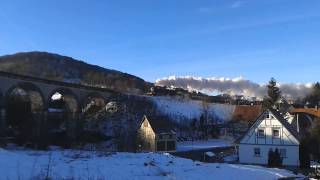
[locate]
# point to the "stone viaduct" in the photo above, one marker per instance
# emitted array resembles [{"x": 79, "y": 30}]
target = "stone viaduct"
[{"x": 40, "y": 91}]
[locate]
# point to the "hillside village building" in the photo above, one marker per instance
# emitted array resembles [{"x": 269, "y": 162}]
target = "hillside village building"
[
  {"x": 269, "y": 132},
  {"x": 156, "y": 134}
]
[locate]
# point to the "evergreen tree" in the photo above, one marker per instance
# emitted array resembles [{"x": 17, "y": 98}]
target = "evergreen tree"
[
  {"x": 314, "y": 96},
  {"x": 277, "y": 158},
  {"x": 304, "y": 154},
  {"x": 274, "y": 94},
  {"x": 274, "y": 158},
  {"x": 314, "y": 140},
  {"x": 270, "y": 158}
]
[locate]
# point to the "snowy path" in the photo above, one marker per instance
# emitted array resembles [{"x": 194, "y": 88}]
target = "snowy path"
[{"x": 88, "y": 165}]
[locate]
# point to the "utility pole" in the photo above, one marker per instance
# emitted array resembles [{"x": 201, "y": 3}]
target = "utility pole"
[
  {"x": 298, "y": 128},
  {"x": 3, "y": 121}
]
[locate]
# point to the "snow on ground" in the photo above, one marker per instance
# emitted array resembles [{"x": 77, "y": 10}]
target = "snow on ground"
[
  {"x": 71, "y": 164},
  {"x": 195, "y": 145},
  {"x": 230, "y": 158},
  {"x": 178, "y": 107}
]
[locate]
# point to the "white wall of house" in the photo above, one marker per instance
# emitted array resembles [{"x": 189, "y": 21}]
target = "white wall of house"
[
  {"x": 268, "y": 132},
  {"x": 247, "y": 154}
]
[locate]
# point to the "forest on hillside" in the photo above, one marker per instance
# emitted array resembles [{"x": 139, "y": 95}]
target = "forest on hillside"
[{"x": 61, "y": 68}]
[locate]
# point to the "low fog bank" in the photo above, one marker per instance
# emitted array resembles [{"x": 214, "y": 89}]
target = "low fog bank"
[{"x": 235, "y": 86}]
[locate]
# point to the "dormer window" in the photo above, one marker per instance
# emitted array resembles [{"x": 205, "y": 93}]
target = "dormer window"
[{"x": 261, "y": 133}]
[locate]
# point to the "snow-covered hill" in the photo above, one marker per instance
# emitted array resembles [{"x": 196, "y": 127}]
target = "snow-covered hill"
[
  {"x": 179, "y": 108},
  {"x": 70, "y": 164}
]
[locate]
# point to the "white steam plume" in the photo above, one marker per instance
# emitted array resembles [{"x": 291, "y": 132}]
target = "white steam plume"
[{"x": 235, "y": 86}]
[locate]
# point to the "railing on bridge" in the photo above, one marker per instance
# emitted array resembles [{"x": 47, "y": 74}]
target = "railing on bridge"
[{"x": 311, "y": 111}]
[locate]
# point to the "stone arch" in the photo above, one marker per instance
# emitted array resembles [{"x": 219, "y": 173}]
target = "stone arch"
[
  {"x": 24, "y": 104},
  {"x": 304, "y": 121},
  {"x": 69, "y": 97},
  {"x": 31, "y": 91},
  {"x": 92, "y": 102}
]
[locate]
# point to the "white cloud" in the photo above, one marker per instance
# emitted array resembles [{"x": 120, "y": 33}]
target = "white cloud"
[
  {"x": 233, "y": 86},
  {"x": 218, "y": 8},
  {"x": 237, "y": 4}
]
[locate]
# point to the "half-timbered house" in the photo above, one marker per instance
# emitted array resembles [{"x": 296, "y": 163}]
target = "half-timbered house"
[{"x": 269, "y": 132}]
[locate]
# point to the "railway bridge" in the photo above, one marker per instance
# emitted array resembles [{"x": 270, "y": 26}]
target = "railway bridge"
[{"x": 22, "y": 97}]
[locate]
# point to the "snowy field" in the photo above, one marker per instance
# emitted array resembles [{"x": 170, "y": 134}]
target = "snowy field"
[
  {"x": 190, "y": 109},
  {"x": 69, "y": 164},
  {"x": 196, "y": 145}
]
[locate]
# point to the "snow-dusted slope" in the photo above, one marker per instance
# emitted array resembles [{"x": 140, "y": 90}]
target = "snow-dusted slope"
[
  {"x": 197, "y": 145},
  {"x": 182, "y": 108},
  {"x": 121, "y": 166}
]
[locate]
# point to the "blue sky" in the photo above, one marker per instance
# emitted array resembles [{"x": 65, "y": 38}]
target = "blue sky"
[{"x": 158, "y": 38}]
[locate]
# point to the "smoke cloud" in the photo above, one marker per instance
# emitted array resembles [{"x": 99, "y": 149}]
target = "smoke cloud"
[{"x": 235, "y": 86}]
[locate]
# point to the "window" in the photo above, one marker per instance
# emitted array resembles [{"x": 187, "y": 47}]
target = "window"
[
  {"x": 283, "y": 153},
  {"x": 161, "y": 146},
  {"x": 257, "y": 152},
  {"x": 275, "y": 133},
  {"x": 171, "y": 145},
  {"x": 261, "y": 133}
]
